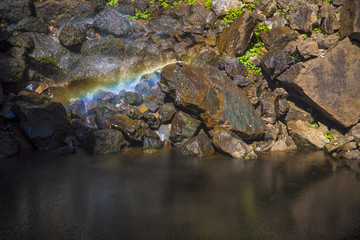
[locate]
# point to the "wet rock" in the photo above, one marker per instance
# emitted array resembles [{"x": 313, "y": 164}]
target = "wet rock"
[
  {"x": 199, "y": 146},
  {"x": 18, "y": 53},
  {"x": 228, "y": 142},
  {"x": 104, "y": 141},
  {"x": 6, "y": 111},
  {"x": 9, "y": 146},
  {"x": 166, "y": 112},
  {"x": 72, "y": 36},
  {"x": 133, "y": 98},
  {"x": 183, "y": 127},
  {"x": 295, "y": 113},
  {"x": 132, "y": 112},
  {"x": 12, "y": 11},
  {"x": 12, "y": 70},
  {"x": 235, "y": 39},
  {"x": 30, "y": 97},
  {"x": 202, "y": 92},
  {"x": 269, "y": 106},
  {"x": 132, "y": 129},
  {"x": 318, "y": 83},
  {"x": 77, "y": 109},
  {"x": 351, "y": 154},
  {"x": 152, "y": 140},
  {"x": 103, "y": 96},
  {"x": 30, "y": 24},
  {"x": 308, "y": 49},
  {"x": 206, "y": 55},
  {"x": 278, "y": 36},
  {"x": 143, "y": 87},
  {"x": 105, "y": 46},
  {"x": 63, "y": 11},
  {"x": 81, "y": 129},
  {"x": 338, "y": 143},
  {"x": 151, "y": 120},
  {"x": 349, "y": 20},
  {"x": 329, "y": 23},
  {"x": 45, "y": 125},
  {"x": 103, "y": 115},
  {"x": 220, "y": 7},
  {"x": 304, "y": 135},
  {"x": 164, "y": 132},
  {"x": 112, "y": 21},
  {"x": 304, "y": 18}
]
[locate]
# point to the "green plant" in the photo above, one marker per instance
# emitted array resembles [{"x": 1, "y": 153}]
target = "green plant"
[
  {"x": 232, "y": 14},
  {"x": 328, "y": 136},
  {"x": 317, "y": 30},
  {"x": 141, "y": 15},
  {"x": 314, "y": 125},
  {"x": 245, "y": 59},
  {"x": 208, "y": 3},
  {"x": 112, "y": 2},
  {"x": 296, "y": 56},
  {"x": 261, "y": 27},
  {"x": 326, "y": 1}
]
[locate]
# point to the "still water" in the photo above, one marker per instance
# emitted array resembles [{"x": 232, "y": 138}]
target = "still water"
[{"x": 163, "y": 195}]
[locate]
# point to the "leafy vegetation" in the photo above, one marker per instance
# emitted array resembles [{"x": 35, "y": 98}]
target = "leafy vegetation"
[
  {"x": 112, "y": 2},
  {"x": 231, "y": 15},
  {"x": 208, "y": 3},
  {"x": 141, "y": 15},
  {"x": 328, "y": 136},
  {"x": 296, "y": 56},
  {"x": 317, "y": 30}
]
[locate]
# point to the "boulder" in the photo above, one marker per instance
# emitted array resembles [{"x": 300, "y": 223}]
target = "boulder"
[
  {"x": 229, "y": 143},
  {"x": 30, "y": 24},
  {"x": 355, "y": 131},
  {"x": 304, "y": 135},
  {"x": 22, "y": 40},
  {"x": 12, "y": 11},
  {"x": 269, "y": 106},
  {"x": 152, "y": 140},
  {"x": 277, "y": 20},
  {"x": 278, "y": 36},
  {"x": 164, "y": 132},
  {"x": 304, "y": 18},
  {"x": 132, "y": 112},
  {"x": 329, "y": 23},
  {"x": 183, "y": 127},
  {"x": 166, "y": 112},
  {"x": 329, "y": 84},
  {"x": 308, "y": 49},
  {"x": 12, "y": 70},
  {"x": 232, "y": 66},
  {"x": 325, "y": 41},
  {"x": 295, "y": 113},
  {"x": 209, "y": 93},
  {"x": 201, "y": 16},
  {"x": 235, "y": 39},
  {"x": 107, "y": 46},
  {"x": 350, "y": 19},
  {"x": 63, "y": 11},
  {"x": 220, "y": 7},
  {"x": 46, "y": 125},
  {"x": 199, "y": 146},
  {"x": 18, "y": 53},
  {"x": 151, "y": 120},
  {"x": 77, "y": 109},
  {"x": 9, "y": 146},
  {"x": 133, "y": 98},
  {"x": 104, "y": 141},
  {"x": 132, "y": 129},
  {"x": 102, "y": 117},
  {"x": 72, "y": 36}
]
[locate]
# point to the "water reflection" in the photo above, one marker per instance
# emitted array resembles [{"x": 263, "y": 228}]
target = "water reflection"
[{"x": 164, "y": 195}]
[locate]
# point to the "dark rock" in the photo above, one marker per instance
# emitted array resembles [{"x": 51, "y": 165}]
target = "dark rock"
[
  {"x": 80, "y": 128},
  {"x": 209, "y": 93},
  {"x": 269, "y": 106},
  {"x": 295, "y": 113},
  {"x": 201, "y": 16},
  {"x": 133, "y": 98},
  {"x": 30, "y": 24},
  {"x": 45, "y": 125},
  {"x": 18, "y": 53},
  {"x": 77, "y": 109},
  {"x": 12, "y": 11},
  {"x": 30, "y": 97},
  {"x": 284, "y": 107},
  {"x": 232, "y": 66},
  {"x": 132, "y": 112},
  {"x": 183, "y": 128},
  {"x": 151, "y": 120},
  {"x": 143, "y": 87},
  {"x": 277, "y": 61},
  {"x": 330, "y": 84},
  {"x": 112, "y": 21},
  {"x": 6, "y": 111},
  {"x": 351, "y": 155},
  {"x": 304, "y": 18},
  {"x": 308, "y": 49},
  {"x": 104, "y": 46},
  {"x": 104, "y": 141},
  {"x": 278, "y": 36},
  {"x": 199, "y": 146},
  {"x": 166, "y": 112},
  {"x": 16, "y": 133},
  {"x": 9, "y": 146},
  {"x": 304, "y": 135},
  {"x": 63, "y": 11},
  {"x": 235, "y": 39},
  {"x": 102, "y": 119},
  {"x": 152, "y": 140},
  {"x": 228, "y": 142},
  {"x": 206, "y": 55},
  {"x": 12, "y": 70},
  {"x": 133, "y": 129},
  {"x": 324, "y": 41},
  {"x": 252, "y": 92},
  {"x": 153, "y": 105},
  {"x": 22, "y": 40},
  {"x": 127, "y": 7},
  {"x": 241, "y": 81},
  {"x": 349, "y": 20},
  {"x": 220, "y": 7},
  {"x": 72, "y": 36}
]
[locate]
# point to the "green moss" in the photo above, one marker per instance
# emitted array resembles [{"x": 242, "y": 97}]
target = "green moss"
[
  {"x": 232, "y": 14},
  {"x": 208, "y": 3},
  {"x": 328, "y": 136}
]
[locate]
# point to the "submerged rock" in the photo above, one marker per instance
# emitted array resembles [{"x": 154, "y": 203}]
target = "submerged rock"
[
  {"x": 104, "y": 141},
  {"x": 210, "y": 94},
  {"x": 199, "y": 146}
]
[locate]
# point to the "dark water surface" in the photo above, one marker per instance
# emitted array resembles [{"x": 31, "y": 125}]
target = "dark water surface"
[{"x": 133, "y": 195}]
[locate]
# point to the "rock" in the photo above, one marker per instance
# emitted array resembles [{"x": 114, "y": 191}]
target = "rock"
[
  {"x": 269, "y": 106},
  {"x": 6, "y": 112},
  {"x": 329, "y": 23},
  {"x": 242, "y": 82},
  {"x": 45, "y": 125},
  {"x": 164, "y": 132},
  {"x": 77, "y": 109},
  {"x": 17, "y": 53},
  {"x": 72, "y": 36},
  {"x": 104, "y": 141},
  {"x": 284, "y": 107},
  {"x": 235, "y": 39},
  {"x": 324, "y": 41},
  {"x": 30, "y": 97},
  {"x": 201, "y": 16},
  {"x": 103, "y": 96},
  {"x": 278, "y": 36},
  {"x": 9, "y": 146},
  {"x": 308, "y": 49},
  {"x": 12, "y": 11},
  {"x": 127, "y": 7},
  {"x": 22, "y": 40},
  {"x": 133, "y": 98},
  {"x": 232, "y": 66},
  {"x": 295, "y": 113},
  {"x": 152, "y": 140},
  {"x": 183, "y": 127},
  {"x": 132, "y": 112},
  {"x": 63, "y": 11},
  {"x": 228, "y": 142},
  {"x": 304, "y": 18},
  {"x": 199, "y": 146},
  {"x": 201, "y": 91},
  {"x": 351, "y": 155},
  {"x": 305, "y": 135},
  {"x": 329, "y": 84},
  {"x": 15, "y": 132},
  {"x": 113, "y": 22},
  {"x": 220, "y": 7},
  {"x": 151, "y": 120},
  {"x": 133, "y": 129},
  {"x": 103, "y": 115},
  {"x": 252, "y": 92},
  {"x": 30, "y": 24},
  {"x": 81, "y": 129},
  {"x": 276, "y": 21},
  {"x": 338, "y": 143},
  {"x": 12, "y": 70},
  {"x": 107, "y": 46},
  {"x": 349, "y": 19},
  {"x": 355, "y": 131},
  {"x": 166, "y": 112},
  {"x": 143, "y": 87},
  {"x": 206, "y": 55}
]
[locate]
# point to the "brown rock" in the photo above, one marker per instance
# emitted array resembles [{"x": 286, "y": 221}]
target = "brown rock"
[
  {"x": 198, "y": 146},
  {"x": 304, "y": 18},
  {"x": 133, "y": 129},
  {"x": 308, "y": 49},
  {"x": 278, "y": 36},
  {"x": 183, "y": 127},
  {"x": 350, "y": 19}
]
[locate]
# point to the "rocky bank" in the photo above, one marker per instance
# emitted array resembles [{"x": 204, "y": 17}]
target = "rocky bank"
[{"x": 240, "y": 77}]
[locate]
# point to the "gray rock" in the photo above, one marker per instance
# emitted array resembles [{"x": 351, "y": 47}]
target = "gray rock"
[
  {"x": 104, "y": 141},
  {"x": 12, "y": 70},
  {"x": 152, "y": 140},
  {"x": 220, "y": 7},
  {"x": 132, "y": 129},
  {"x": 199, "y": 146},
  {"x": 183, "y": 128},
  {"x": 30, "y": 24},
  {"x": 166, "y": 112},
  {"x": 133, "y": 98},
  {"x": 71, "y": 36},
  {"x": 12, "y": 11},
  {"x": 107, "y": 46},
  {"x": 304, "y": 18}
]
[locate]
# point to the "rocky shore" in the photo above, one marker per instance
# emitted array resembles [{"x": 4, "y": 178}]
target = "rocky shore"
[{"x": 238, "y": 77}]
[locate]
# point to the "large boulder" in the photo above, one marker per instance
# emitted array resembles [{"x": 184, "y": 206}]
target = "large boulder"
[
  {"x": 132, "y": 129},
  {"x": 229, "y": 143},
  {"x": 72, "y": 35},
  {"x": 12, "y": 11},
  {"x": 104, "y": 141},
  {"x": 304, "y": 18},
  {"x": 183, "y": 127},
  {"x": 350, "y": 19},
  {"x": 235, "y": 39},
  {"x": 329, "y": 84},
  {"x": 12, "y": 70},
  {"x": 63, "y": 11},
  {"x": 46, "y": 125},
  {"x": 278, "y": 36},
  {"x": 152, "y": 140},
  {"x": 209, "y": 93},
  {"x": 199, "y": 146},
  {"x": 30, "y": 24},
  {"x": 107, "y": 46}
]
